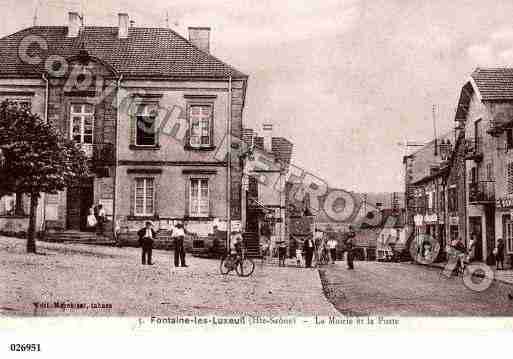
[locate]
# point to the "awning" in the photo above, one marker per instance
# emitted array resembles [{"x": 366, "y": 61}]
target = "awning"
[{"x": 256, "y": 204}]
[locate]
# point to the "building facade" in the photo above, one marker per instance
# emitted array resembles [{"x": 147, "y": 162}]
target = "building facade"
[
  {"x": 485, "y": 111},
  {"x": 151, "y": 111}
]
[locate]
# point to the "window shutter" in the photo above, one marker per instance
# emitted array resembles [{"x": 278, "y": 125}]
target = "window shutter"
[
  {"x": 155, "y": 196},
  {"x": 132, "y": 121},
  {"x": 187, "y": 197},
  {"x": 509, "y": 178},
  {"x": 132, "y": 197}
]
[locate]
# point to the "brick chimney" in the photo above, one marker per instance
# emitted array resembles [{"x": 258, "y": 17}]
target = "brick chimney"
[
  {"x": 267, "y": 132},
  {"x": 200, "y": 37},
  {"x": 123, "y": 25},
  {"x": 74, "y": 24}
]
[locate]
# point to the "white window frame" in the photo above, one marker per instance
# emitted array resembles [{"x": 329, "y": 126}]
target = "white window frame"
[
  {"x": 145, "y": 197},
  {"x": 82, "y": 115},
  {"x": 199, "y": 214},
  {"x": 210, "y": 125},
  {"x": 146, "y": 110}
]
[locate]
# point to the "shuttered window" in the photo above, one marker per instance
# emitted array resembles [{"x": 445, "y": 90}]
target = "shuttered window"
[
  {"x": 509, "y": 178},
  {"x": 489, "y": 171}
]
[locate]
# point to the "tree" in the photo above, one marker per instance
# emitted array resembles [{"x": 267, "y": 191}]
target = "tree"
[{"x": 36, "y": 159}]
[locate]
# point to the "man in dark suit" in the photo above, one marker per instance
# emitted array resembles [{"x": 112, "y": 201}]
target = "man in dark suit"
[
  {"x": 308, "y": 250},
  {"x": 178, "y": 235},
  {"x": 146, "y": 237},
  {"x": 349, "y": 243}
]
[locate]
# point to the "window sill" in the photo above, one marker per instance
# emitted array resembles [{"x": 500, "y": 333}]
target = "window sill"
[
  {"x": 204, "y": 148},
  {"x": 142, "y": 218},
  {"x": 151, "y": 148},
  {"x": 13, "y": 216},
  {"x": 199, "y": 218}
]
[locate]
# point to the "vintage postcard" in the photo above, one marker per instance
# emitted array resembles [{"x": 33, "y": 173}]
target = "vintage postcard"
[{"x": 202, "y": 165}]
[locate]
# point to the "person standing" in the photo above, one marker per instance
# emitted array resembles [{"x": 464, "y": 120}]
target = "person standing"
[
  {"x": 472, "y": 248},
  {"x": 146, "y": 237},
  {"x": 282, "y": 253},
  {"x": 91, "y": 220},
  {"x": 102, "y": 218},
  {"x": 308, "y": 249},
  {"x": 499, "y": 257},
  {"x": 349, "y": 248},
  {"x": 179, "y": 235},
  {"x": 332, "y": 246}
]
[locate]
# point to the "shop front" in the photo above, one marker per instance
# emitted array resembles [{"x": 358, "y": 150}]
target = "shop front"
[{"x": 504, "y": 225}]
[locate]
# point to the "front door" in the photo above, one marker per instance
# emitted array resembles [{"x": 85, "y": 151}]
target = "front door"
[
  {"x": 476, "y": 229},
  {"x": 79, "y": 200}
]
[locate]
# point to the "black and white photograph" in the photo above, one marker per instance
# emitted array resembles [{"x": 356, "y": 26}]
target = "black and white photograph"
[{"x": 338, "y": 164}]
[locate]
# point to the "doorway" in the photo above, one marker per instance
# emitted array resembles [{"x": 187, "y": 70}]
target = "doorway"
[
  {"x": 475, "y": 224},
  {"x": 79, "y": 199}
]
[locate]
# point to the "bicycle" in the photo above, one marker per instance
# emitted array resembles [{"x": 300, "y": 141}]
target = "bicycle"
[
  {"x": 324, "y": 257},
  {"x": 243, "y": 266}
]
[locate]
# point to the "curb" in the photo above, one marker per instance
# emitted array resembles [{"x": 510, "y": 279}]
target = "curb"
[{"x": 442, "y": 266}]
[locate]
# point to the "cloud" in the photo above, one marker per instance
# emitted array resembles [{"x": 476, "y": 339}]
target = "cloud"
[
  {"x": 482, "y": 54},
  {"x": 497, "y": 50}
]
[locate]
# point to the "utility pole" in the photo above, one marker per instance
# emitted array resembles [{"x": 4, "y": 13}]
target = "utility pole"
[
  {"x": 34, "y": 20},
  {"x": 434, "y": 128},
  {"x": 229, "y": 167},
  {"x": 167, "y": 19}
]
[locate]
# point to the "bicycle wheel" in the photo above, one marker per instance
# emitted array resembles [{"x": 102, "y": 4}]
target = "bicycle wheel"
[
  {"x": 226, "y": 265},
  {"x": 245, "y": 267}
]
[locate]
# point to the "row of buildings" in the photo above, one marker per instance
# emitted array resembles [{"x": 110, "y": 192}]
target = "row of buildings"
[
  {"x": 460, "y": 185},
  {"x": 151, "y": 110}
]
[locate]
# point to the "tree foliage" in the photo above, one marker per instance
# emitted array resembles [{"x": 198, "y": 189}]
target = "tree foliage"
[{"x": 36, "y": 158}]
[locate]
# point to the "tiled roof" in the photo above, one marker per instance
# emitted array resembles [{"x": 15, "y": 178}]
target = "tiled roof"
[
  {"x": 148, "y": 52},
  {"x": 494, "y": 83},
  {"x": 281, "y": 148}
]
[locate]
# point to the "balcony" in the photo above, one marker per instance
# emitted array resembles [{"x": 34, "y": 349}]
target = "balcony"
[
  {"x": 482, "y": 192},
  {"x": 474, "y": 149}
]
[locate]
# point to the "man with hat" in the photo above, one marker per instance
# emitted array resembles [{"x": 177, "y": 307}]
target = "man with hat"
[
  {"x": 179, "y": 234},
  {"x": 146, "y": 237}
]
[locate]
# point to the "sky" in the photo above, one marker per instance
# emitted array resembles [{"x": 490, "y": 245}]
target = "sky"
[{"x": 344, "y": 80}]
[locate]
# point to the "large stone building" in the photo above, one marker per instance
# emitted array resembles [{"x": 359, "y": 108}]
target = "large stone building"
[
  {"x": 476, "y": 180},
  {"x": 485, "y": 110},
  {"x": 151, "y": 110}
]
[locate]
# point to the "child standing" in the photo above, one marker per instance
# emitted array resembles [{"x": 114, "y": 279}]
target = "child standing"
[{"x": 299, "y": 254}]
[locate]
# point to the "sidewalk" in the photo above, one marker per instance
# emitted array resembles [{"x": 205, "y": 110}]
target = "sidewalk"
[
  {"x": 113, "y": 277},
  {"x": 504, "y": 276}
]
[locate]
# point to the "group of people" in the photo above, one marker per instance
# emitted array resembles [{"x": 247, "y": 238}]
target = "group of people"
[
  {"x": 147, "y": 236},
  {"x": 309, "y": 249},
  {"x": 320, "y": 248},
  {"x": 464, "y": 255}
]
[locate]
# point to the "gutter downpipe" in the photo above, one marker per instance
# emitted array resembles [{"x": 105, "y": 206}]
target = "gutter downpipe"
[
  {"x": 43, "y": 200},
  {"x": 116, "y": 163},
  {"x": 229, "y": 165}
]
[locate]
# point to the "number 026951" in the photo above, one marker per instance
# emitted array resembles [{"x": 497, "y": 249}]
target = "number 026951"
[{"x": 25, "y": 347}]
